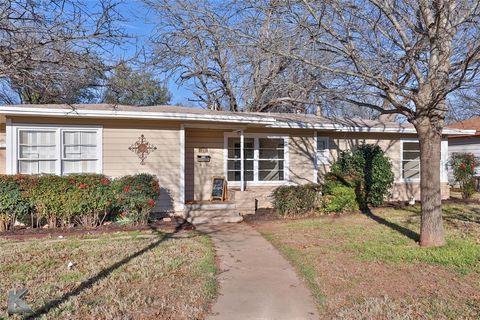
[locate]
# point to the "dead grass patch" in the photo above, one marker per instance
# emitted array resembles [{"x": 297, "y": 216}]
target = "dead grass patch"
[
  {"x": 134, "y": 275},
  {"x": 370, "y": 267}
]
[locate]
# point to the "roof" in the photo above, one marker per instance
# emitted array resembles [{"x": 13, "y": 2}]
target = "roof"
[
  {"x": 270, "y": 120},
  {"x": 469, "y": 124}
]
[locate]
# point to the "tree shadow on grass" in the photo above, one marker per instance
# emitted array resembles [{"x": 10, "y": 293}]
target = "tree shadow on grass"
[
  {"x": 404, "y": 231},
  {"x": 87, "y": 284}
]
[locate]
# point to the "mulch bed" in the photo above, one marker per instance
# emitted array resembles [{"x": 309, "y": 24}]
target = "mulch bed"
[{"x": 24, "y": 233}]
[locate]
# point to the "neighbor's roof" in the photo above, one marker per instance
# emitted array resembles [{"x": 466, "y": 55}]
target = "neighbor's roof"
[
  {"x": 469, "y": 124},
  {"x": 270, "y": 120}
]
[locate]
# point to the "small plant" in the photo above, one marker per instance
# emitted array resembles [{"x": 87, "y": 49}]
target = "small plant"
[
  {"x": 368, "y": 170},
  {"x": 296, "y": 200},
  {"x": 136, "y": 196},
  {"x": 338, "y": 198},
  {"x": 14, "y": 204},
  {"x": 464, "y": 166}
]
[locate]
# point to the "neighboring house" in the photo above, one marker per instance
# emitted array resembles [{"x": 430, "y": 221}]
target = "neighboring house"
[
  {"x": 465, "y": 143},
  {"x": 189, "y": 146}
]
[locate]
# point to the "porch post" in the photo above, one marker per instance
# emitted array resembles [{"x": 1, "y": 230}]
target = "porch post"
[
  {"x": 242, "y": 155},
  {"x": 181, "y": 176}
]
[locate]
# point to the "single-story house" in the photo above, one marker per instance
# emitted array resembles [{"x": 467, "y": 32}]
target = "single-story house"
[
  {"x": 465, "y": 143},
  {"x": 186, "y": 147}
]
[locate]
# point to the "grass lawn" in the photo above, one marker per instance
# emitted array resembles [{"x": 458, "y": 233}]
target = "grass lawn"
[
  {"x": 370, "y": 267},
  {"x": 129, "y": 275}
]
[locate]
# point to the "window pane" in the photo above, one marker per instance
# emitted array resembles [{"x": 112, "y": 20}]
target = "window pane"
[
  {"x": 411, "y": 174},
  {"x": 271, "y": 148},
  {"x": 79, "y": 145},
  {"x": 79, "y": 166},
  {"x": 411, "y": 146},
  {"x": 36, "y": 167},
  {"x": 235, "y": 175},
  {"x": 270, "y": 170},
  {"x": 270, "y": 175},
  {"x": 37, "y": 152},
  {"x": 37, "y": 138}
]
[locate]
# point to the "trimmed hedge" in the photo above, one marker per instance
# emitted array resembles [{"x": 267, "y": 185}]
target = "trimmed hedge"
[
  {"x": 86, "y": 200},
  {"x": 296, "y": 200},
  {"x": 338, "y": 198}
]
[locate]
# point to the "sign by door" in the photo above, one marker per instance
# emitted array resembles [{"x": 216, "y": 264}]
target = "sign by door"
[{"x": 219, "y": 188}]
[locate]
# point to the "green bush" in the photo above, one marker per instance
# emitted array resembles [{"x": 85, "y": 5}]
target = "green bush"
[
  {"x": 90, "y": 199},
  {"x": 296, "y": 200},
  {"x": 136, "y": 195},
  {"x": 14, "y": 204},
  {"x": 49, "y": 195},
  {"x": 464, "y": 165},
  {"x": 368, "y": 170},
  {"x": 338, "y": 198}
]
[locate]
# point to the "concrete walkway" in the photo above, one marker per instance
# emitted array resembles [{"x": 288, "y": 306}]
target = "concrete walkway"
[{"x": 256, "y": 282}]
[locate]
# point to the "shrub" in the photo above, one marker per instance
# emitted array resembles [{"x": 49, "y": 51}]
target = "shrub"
[
  {"x": 368, "y": 170},
  {"x": 14, "y": 204},
  {"x": 90, "y": 199},
  {"x": 296, "y": 200},
  {"x": 50, "y": 195},
  {"x": 464, "y": 165},
  {"x": 337, "y": 198},
  {"x": 136, "y": 195}
]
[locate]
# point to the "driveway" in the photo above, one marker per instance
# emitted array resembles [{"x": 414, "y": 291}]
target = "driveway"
[{"x": 256, "y": 282}]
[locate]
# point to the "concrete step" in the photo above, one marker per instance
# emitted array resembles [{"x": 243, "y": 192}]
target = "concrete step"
[
  {"x": 211, "y": 213},
  {"x": 215, "y": 220},
  {"x": 210, "y": 206}
]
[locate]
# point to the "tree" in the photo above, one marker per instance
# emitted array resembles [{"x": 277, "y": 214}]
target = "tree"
[
  {"x": 50, "y": 48},
  {"x": 395, "y": 57},
  {"x": 197, "y": 41},
  {"x": 135, "y": 87}
]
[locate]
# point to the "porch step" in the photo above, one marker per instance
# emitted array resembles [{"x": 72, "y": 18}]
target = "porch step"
[
  {"x": 215, "y": 220},
  {"x": 210, "y": 206}
]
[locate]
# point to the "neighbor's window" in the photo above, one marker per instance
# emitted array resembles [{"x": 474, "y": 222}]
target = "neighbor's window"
[
  {"x": 264, "y": 159},
  {"x": 410, "y": 160},
  {"x": 57, "y": 151}
]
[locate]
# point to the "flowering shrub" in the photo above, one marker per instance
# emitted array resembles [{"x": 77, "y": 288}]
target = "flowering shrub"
[
  {"x": 87, "y": 199},
  {"x": 13, "y": 202},
  {"x": 463, "y": 166},
  {"x": 136, "y": 195},
  {"x": 90, "y": 199}
]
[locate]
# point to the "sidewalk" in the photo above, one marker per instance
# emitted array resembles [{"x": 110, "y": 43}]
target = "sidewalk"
[{"x": 256, "y": 282}]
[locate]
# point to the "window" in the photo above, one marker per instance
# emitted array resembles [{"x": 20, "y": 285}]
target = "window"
[
  {"x": 264, "y": 158},
  {"x": 323, "y": 151},
  {"x": 53, "y": 150},
  {"x": 410, "y": 160}
]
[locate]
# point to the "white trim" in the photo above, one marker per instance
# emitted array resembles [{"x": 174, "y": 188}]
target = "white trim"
[
  {"x": 181, "y": 204},
  {"x": 9, "y": 144},
  {"x": 13, "y": 150},
  {"x": 257, "y": 136},
  {"x": 270, "y": 122},
  {"x": 79, "y": 113},
  {"x": 242, "y": 157},
  {"x": 315, "y": 158}
]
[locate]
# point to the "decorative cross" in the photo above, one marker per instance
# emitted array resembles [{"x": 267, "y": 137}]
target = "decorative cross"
[{"x": 142, "y": 148}]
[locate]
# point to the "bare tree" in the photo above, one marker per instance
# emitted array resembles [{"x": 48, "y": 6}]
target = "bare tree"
[
  {"x": 395, "y": 57},
  {"x": 48, "y": 46},
  {"x": 195, "y": 40}
]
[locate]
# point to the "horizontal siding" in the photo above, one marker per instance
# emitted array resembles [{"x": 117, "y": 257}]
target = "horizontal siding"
[
  {"x": 118, "y": 160},
  {"x": 458, "y": 145}
]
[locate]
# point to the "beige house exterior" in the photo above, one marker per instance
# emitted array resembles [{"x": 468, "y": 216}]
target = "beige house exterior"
[{"x": 193, "y": 145}]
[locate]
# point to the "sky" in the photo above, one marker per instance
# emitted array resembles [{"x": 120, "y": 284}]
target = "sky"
[{"x": 140, "y": 24}]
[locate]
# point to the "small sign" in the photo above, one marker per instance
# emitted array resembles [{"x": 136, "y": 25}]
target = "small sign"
[
  {"x": 219, "y": 188},
  {"x": 203, "y": 150}
]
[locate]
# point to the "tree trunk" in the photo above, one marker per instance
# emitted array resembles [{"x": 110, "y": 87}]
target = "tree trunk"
[{"x": 430, "y": 138}]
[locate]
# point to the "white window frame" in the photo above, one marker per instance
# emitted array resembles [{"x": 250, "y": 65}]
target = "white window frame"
[
  {"x": 256, "y": 137},
  {"x": 13, "y": 130},
  {"x": 323, "y": 159},
  {"x": 443, "y": 161}
]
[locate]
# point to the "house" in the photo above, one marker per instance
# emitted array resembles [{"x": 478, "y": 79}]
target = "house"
[
  {"x": 186, "y": 147},
  {"x": 465, "y": 143}
]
